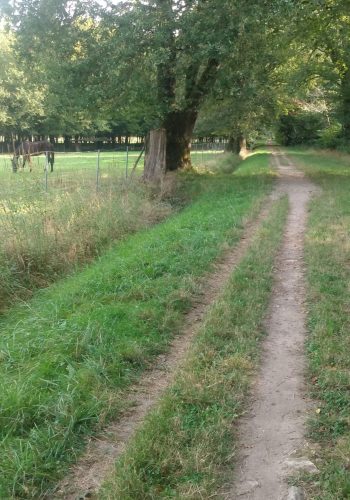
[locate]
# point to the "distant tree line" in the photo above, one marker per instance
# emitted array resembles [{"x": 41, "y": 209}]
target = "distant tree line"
[{"x": 79, "y": 69}]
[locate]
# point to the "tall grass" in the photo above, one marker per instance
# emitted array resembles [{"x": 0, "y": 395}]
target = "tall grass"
[
  {"x": 46, "y": 235},
  {"x": 68, "y": 354}
]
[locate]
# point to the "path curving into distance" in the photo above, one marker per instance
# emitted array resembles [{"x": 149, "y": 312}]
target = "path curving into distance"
[{"x": 271, "y": 434}]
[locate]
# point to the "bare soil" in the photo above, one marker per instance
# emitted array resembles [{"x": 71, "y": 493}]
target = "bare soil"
[
  {"x": 86, "y": 477},
  {"x": 273, "y": 428}
]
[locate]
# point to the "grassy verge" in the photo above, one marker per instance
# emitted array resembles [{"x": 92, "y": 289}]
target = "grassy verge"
[
  {"x": 68, "y": 355},
  {"x": 227, "y": 164},
  {"x": 328, "y": 264},
  {"x": 187, "y": 443},
  {"x": 45, "y": 235}
]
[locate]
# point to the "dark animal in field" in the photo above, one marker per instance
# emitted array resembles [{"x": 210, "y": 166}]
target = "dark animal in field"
[{"x": 28, "y": 149}]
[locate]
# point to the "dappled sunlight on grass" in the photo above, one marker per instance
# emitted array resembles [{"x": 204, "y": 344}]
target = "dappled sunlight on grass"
[
  {"x": 253, "y": 168},
  {"x": 223, "y": 163},
  {"x": 260, "y": 151}
]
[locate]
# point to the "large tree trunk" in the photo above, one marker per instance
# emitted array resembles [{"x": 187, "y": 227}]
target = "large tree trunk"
[
  {"x": 233, "y": 144},
  {"x": 237, "y": 144},
  {"x": 179, "y": 127},
  {"x": 76, "y": 143},
  {"x": 242, "y": 145},
  {"x": 155, "y": 155}
]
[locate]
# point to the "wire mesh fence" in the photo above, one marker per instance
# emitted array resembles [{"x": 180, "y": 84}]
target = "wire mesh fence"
[
  {"x": 86, "y": 194},
  {"x": 85, "y": 171},
  {"x": 91, "y": 171},
  {"x": 204, "y": 152}
]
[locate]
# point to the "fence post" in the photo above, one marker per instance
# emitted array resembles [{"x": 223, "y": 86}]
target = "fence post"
[
  {"x": 97, "y": 170},
  {"x": 127, "y": 162}
]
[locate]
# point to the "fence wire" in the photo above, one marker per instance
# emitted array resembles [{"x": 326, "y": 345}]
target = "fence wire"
[{"x": 84, "y": 171}]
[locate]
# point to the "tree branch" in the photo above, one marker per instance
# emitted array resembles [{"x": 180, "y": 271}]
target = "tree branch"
[{"x": 201, "y": 88}]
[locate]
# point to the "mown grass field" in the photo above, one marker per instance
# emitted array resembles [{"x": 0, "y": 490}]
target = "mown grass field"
[
  {"x": 186, "y": 446},
  {"x": 328, "y": 346},
  {"x": 69, "y": 354}
]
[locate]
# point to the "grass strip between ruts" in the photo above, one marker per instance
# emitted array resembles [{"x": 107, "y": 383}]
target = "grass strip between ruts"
[
  {"x": 185, "y": 447},
  {"x": 327, "y": 254},
  {"x": 68, "y": 354}
]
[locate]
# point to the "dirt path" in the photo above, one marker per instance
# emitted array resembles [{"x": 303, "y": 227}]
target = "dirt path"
[
  {"x": 91, "y": 470},
  {"x": 271, "y": 434}
]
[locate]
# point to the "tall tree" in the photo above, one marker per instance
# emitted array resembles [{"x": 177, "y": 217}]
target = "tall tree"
[
  {"x": 331, "y": 34},
  {"x": 245, "y": 97},
  {"x": 56, "y": 42},
  {"x": 20, "y": 100},
  {"x": 322, "y": 37},
  {"x": 183, "y": 43}
]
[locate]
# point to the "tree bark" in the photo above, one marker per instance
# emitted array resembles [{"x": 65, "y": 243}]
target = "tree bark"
[
  {"x": 67, "y": 142},
  {"x": 76, "y": 143},
  {"x": 179, "y": 127},
  {"x": 242, "y": 145},
  {"x": 155, "y": 155},
  {"x": 233, "y": 145},
  {"x": 237, "y": 144},
  {"x": 179, "y": 124}
]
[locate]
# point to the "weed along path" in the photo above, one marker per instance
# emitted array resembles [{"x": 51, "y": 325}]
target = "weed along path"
[
  {"x": 272, "y": 431},
  {"x": 88, "y": 474}
]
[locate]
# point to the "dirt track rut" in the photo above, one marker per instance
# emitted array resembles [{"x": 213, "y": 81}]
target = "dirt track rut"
[{"x": 272, "y": 431}]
